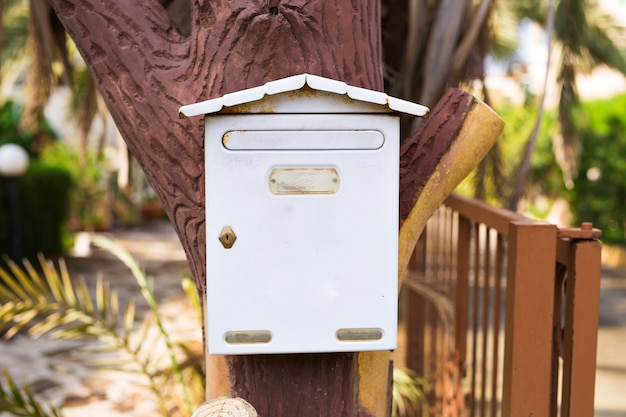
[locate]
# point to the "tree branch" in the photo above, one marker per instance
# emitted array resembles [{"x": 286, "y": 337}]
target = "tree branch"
[{"x": 137, "y": 57}]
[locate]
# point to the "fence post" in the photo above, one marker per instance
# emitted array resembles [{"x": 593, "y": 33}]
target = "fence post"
[
  {"x": 461, "y": 303},
  {"x": 581, "y": 328},
  {"x": 462, "y": 291},
  {"x": 529, "y": 319},
  {"x": 415, "y": 312}
]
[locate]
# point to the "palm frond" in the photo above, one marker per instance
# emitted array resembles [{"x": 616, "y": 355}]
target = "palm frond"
[
  {"x": 129, "y": 320},
  {"x": 503, "y": 21},
  {"x": 534, "y": 10},
  {"x": 34, "y": 278},
  {"x": 84, "y": 106},
  {"x": 19, "y": 401},
  {"x": 39, "y": 78},
  {"x": 11, "y": 283},
  {"x": 15, "y": 32},
  {"x": 409, "y": 392},
  {"x": 189, "y": 286},
  {"x": 50, "y": 302},
  {"x": 602, "y": 48},
  {"x": 567, "y": 144},
  {"x": 45, "y": 300},
  {"x": 570, "y": 23},
  {"x": 148, "y": 294}
]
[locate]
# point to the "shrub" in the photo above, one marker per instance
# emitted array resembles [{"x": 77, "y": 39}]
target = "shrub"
[
  {"x": 599, "y": 193},
  {"x": 10, "y": 132},
  {"x": 43, "y": 195},
  {"x": 9, "y": 121},
  {"x": 88, "y": 197},
  {"x": 43, "y": 203}
]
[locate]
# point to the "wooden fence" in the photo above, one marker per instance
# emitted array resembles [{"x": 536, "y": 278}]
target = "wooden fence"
[{"x": 501, "y": 314}]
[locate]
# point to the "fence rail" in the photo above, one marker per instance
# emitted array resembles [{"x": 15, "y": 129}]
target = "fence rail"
[{"x": 501, "y": 313}]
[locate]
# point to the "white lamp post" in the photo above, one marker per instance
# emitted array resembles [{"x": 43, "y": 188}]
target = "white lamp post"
[
  {"x": 13, "y": 160},
  {"x": 13, "y": 164}
]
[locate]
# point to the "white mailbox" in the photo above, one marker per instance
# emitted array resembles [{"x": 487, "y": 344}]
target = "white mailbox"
[{"x": 302, "y": 217}]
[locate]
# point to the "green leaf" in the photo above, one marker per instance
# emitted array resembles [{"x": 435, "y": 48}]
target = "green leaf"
[
  {"x": 189, "y": 286},
  {"x": 408, "y": 392},
  {"x": 70, "y": 294},
  {"x": 54, "y": 282},
  {"x": 19, "y": 401},
  {"x": 146, "y": 290},
  {"x": 12, "y": 281},
  {"x": 129, "y": 320},
  {"x": 101, "y": 297},
  {"x": 84, "y": 297},
  {"x": 40, "y": 287},
  {"x": 114, "y": 310}
]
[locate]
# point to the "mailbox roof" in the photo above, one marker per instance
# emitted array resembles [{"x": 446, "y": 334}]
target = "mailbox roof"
[{"x": 244, "y": 101}]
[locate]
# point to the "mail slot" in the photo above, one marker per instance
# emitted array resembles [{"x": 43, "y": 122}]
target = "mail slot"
[
  {"x": 303, "y": 140},
  {"x": 302, "y": 217}
]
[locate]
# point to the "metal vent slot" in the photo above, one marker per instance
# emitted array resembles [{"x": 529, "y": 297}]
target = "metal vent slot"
[
  {"x": 250, "y": 337},
  {"x": 359, "y": 335}
]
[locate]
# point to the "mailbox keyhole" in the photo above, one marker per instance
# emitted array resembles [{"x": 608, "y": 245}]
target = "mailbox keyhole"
[{"x": 227, "y": 237}]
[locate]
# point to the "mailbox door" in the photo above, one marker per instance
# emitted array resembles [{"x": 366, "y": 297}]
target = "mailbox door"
[{"x": 302, "y": 226}]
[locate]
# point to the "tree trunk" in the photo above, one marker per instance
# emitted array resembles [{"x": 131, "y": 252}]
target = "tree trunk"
[{"x": 145, "y": 70}]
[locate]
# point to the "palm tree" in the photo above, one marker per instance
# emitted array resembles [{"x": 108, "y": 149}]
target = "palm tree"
[
  {"x": 46, "y": 45},
  {"x": 431, "y": 46},
  {"x": 587, "y": 38},
  {"x": 1, "y": 26},
  {"x": 35, "y": 47},
  {"x": 15, "y": 18}
]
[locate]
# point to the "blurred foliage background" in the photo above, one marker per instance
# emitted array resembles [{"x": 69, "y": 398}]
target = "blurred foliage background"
[{"x": 599, "y": 191}]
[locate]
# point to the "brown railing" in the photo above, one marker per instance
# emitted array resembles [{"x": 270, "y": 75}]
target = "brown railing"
[{"x": 501, "y": 313}]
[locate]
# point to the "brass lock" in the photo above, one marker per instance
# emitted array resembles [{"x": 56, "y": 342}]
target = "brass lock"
[{"x": 227, "y": 237}]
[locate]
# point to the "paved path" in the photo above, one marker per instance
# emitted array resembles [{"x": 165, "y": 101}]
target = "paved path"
[
  {"x": 611, "y": 360},
  {"x": 58, "y": 374}
]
